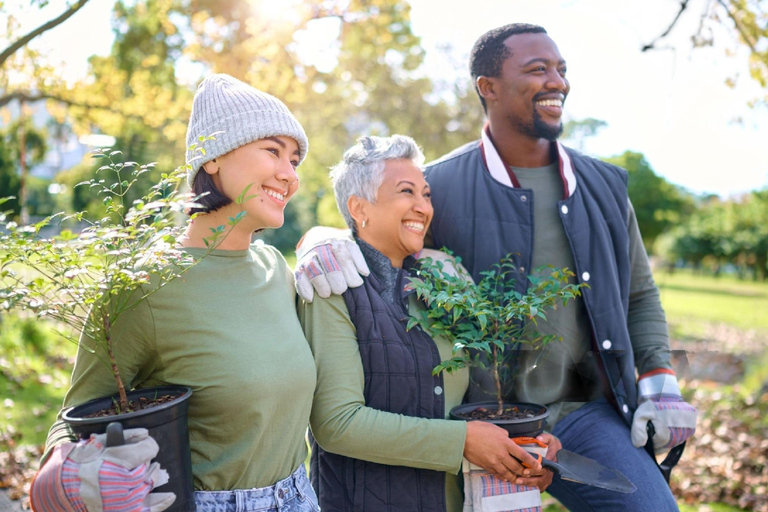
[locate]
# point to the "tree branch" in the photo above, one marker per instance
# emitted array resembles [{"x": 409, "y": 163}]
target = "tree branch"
[
  {"x": 20, "y": 43},
  {"x": 31, "y": 98},
  {"x": 747, "y": 40},
  {"x": 652, "y": 44}
]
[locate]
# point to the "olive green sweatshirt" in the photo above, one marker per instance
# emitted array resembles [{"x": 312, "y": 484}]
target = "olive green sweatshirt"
[{"x": 228, "y": 329}]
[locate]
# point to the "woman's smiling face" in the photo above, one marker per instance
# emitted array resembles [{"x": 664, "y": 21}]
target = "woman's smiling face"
[
  {"x": 268, "y": 166},
  {"x": 398, "y": 221}
]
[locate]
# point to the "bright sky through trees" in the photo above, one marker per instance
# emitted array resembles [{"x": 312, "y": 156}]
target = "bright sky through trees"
[{"x": 671, "y": 104}]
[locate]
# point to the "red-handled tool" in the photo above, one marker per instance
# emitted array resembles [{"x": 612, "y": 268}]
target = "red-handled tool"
[{"x": 576, "y": 468}]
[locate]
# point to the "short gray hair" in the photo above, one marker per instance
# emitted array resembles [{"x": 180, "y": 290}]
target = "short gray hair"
[{"x": 361, "y": 171}]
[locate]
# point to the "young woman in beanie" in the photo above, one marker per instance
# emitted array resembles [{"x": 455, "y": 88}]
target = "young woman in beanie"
[{"x": 227, "y": 328}]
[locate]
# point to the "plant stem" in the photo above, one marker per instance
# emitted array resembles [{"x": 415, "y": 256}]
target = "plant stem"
[
  {"x": 497, "y": 380},
  {"x": 113, "y": 363}
]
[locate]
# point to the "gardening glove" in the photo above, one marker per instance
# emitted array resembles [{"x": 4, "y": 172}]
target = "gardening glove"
[
  {"x": 328, "y": 262},
  {"x": 660, "y": 402},
  {"x": 89, "y": 477},
  {"x": 450, "y": 265},
  {"x": 484, "y": 492}
]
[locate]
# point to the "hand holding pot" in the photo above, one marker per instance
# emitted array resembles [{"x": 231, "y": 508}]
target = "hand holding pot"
[
  {"x": 89, "y": 476},
  {"x": 490, "y": 447},
  {"x": 660, "y": 402}
]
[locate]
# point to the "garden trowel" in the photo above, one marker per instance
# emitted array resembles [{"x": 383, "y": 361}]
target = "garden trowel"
[{"x": 582, "y": 470}]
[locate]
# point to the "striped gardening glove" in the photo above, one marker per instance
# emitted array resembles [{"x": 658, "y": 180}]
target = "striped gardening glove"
[
  {"x": 89, "y": 477},
  {"x": 659, "y": 402},
  {"x": 328, "y": 263},
  {"x": 484, "y": 492}
]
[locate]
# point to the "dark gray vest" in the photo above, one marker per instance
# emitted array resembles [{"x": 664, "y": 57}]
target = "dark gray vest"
[
  {"x": 398, "y": 378},
  {"x": 481, "y": 221}
]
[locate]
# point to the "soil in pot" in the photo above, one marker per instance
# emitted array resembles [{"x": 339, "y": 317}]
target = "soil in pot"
[
  {"x": 519, "y": 419},
  {"x": 509, "y": 412},
  {"x": 139, "y": 404}
]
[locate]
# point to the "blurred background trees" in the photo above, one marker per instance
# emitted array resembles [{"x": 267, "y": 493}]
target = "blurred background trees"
[{"x": 369, "y": 79}]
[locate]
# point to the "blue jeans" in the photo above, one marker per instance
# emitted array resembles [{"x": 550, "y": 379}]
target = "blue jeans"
[
  {"x": 292, "y": 494},
  {"x": 596, "y": 431}
]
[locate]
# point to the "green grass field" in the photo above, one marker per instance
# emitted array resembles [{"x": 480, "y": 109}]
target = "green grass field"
[{"x": 693, "y": 301}]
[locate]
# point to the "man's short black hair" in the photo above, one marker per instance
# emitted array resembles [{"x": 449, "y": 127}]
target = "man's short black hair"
[{"x": 489, "y": 51}]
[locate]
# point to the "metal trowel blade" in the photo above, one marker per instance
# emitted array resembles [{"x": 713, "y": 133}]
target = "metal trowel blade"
[{"x": 576, "y": 468}]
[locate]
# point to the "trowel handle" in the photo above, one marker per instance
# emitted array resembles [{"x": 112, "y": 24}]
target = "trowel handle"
[
  {"x": 535, "y": 451},
  {"x": 115, "y": 434}
]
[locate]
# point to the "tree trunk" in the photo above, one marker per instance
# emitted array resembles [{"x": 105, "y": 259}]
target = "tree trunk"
[
  {"x": 24, "y": 215},
  {"x": 761, "y": 261},
  {"x": 113, "y": 364},
  {"x": 497, "y": 381}
]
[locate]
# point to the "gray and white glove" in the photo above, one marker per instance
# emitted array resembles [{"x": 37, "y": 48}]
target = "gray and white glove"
[
  {"x": 660, "y": 402},
  {"x": 450, "y": 265},
  {"x": 329, "y": 262}
]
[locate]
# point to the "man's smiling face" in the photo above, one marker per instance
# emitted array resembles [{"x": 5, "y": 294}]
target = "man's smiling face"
[{"x": 531, "y": 88}]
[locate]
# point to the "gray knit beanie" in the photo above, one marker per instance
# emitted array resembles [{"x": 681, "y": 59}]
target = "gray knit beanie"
[{"x": 243, "y": 114}]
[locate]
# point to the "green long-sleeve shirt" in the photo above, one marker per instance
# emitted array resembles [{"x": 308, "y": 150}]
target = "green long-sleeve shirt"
[
  {"x": 341, "y": 423},
  {"x": 228, "y": 329}
]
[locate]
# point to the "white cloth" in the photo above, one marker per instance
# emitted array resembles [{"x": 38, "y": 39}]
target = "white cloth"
[{"x": 484, "y": 492}]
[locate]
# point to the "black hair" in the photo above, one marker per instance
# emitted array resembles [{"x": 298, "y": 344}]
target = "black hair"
[
  {"x": 489, "y": 52},
  {"x": 212, "y": 200}
]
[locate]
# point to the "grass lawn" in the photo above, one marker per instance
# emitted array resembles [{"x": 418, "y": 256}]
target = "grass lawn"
[
  {"x": 692, "y": 302},
  {"x": 35, "y": 367}
]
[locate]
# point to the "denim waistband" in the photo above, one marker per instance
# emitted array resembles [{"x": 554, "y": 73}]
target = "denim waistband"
[{"x": 275, "y": 497}]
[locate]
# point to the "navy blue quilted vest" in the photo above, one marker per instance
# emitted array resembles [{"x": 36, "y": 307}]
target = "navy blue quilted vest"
[
  {"x": 481, "y": 221},
  {"x": 398, "y": 378}
]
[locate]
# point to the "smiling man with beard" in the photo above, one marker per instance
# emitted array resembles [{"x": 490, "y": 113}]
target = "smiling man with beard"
[{"x": 518, "y": 190}]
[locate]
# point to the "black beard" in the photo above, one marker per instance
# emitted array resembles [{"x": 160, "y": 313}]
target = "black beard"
[{"x": 538, "y": 129}]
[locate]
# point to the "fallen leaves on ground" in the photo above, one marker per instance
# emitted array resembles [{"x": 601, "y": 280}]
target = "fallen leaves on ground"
[
  {"x": 727, "y": 459},
  {"x": 18, "y": 465}
]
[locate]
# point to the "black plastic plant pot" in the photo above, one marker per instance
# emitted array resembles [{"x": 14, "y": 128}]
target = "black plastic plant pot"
[
  {"x": 522, "y": 427},
  {"x": 166, "y": 423}
]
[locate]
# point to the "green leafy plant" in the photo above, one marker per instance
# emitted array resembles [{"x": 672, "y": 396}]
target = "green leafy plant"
[
  {"x": 486, "y": 321},
  {"x": 88, "y": 280}
]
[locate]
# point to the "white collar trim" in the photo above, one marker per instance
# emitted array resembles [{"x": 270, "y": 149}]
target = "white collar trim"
[{"x": 499, "y": 172}]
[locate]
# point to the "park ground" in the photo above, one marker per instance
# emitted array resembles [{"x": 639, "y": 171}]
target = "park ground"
[{"x": 719, "y": 331}]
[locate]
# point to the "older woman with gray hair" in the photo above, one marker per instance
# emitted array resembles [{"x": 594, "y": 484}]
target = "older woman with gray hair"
[{"x": 381, "y": 437}]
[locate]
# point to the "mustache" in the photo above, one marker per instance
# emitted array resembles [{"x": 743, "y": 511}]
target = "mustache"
[{"x": 549, "y": 95}]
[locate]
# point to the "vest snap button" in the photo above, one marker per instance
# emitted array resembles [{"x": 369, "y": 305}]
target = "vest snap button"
[
  {"x": 607, "y": 344},
  {"x": 522, "y": 269},
  {"x": 438, "y": 390},
  {"x": 523, "y": 198},
  {"x": 564, "y": 209},
  {"x": 585, "y": 276},
  {"x": 625, "y": 408}
]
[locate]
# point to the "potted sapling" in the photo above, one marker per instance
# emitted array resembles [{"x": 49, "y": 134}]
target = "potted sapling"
[
  {"x": 487, "y": 323},
  {"x": 85, "y": 282}
]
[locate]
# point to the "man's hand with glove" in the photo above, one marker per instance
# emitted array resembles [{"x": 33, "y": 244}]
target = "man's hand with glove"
[
  {"x": 450, "y": 265},
  {"x": 659, "y": 401},
  {"x": 328, "y": 261},
  {"x": 89, "y": 477}
]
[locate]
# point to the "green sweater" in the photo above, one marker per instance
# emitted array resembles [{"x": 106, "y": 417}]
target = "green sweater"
[
  {"x": 340, "y": 421},
  {"x": 228, "y": 329}
]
